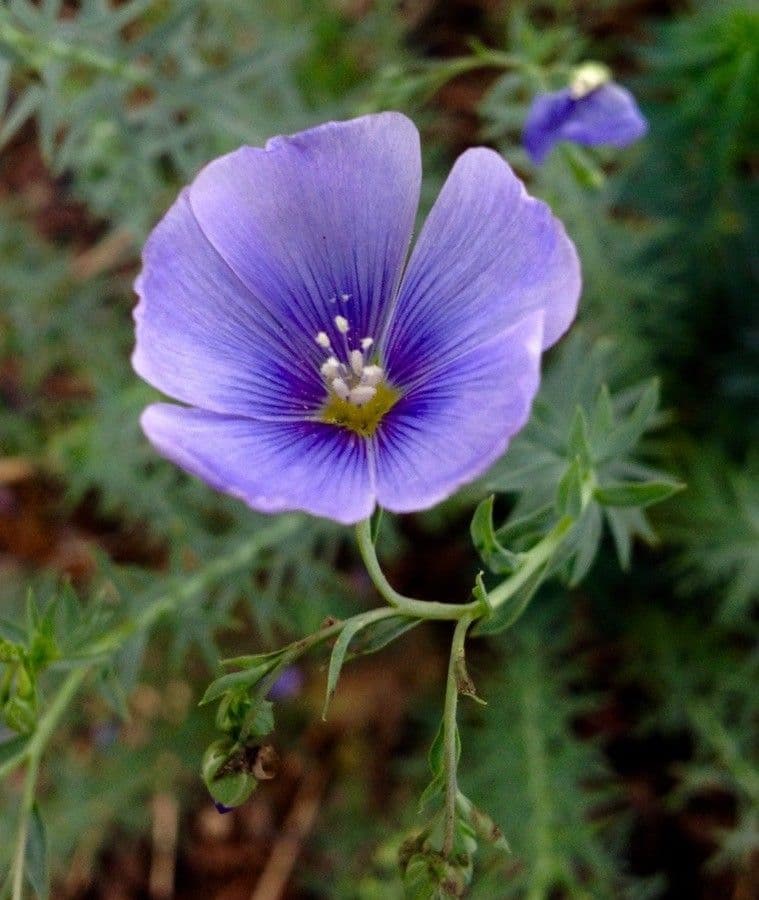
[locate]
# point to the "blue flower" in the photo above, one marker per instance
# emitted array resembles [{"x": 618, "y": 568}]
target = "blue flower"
[
  {"x": 591, "y": 111},
  {"x": 318, "y": 374}
]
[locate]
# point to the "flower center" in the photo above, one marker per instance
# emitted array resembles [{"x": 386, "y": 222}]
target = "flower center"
[{"x": 358, "y": 397}]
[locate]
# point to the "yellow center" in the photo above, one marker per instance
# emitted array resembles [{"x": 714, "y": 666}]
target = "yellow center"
[{"x": 363, "y": 419}]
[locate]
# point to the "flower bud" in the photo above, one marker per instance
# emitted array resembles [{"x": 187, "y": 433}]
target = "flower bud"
[
  {"x": 19, "y": 715},
  {"x": 228, "y": 780},
  {"x": 232, "y": 772}
]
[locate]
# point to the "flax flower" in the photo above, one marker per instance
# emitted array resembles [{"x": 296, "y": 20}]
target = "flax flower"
[
  {"x": 320, "y": 370},
  {"x": 591, "y": 111}
]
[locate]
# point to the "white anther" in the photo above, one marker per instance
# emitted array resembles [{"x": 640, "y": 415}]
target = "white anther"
[
  {"x": 341, "y": 323},
  {"x": 362, "y": 394},
  {"x": 331, "y": 368},
  {"x": 587, "y": 78},
  {"x": 322, "y": 339},
  {"x": 357, "y": 361},
  {"x": 340, "y": 388},
  {"x": 366, "y": 343},
  {"x": 372, "y": 375},
  {"x": 345, "y": 297},
  {"x": 332, "y": 299}
]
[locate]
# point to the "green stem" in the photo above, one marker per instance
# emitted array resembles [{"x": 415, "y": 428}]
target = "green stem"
[
  {"x": 36, "y": 748},
  {"x": 22, "y": 833},
  {"x": 450, "y": 733},
  {"x": 419, "y": 609},
  {"x": 538, "y": 556}
]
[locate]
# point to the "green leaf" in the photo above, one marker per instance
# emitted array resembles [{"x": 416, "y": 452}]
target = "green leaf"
[
  {"x": 569, "y": 493},
  {"x": 435, "y": 757},
  {"x": 603, "y": 419},
  {"x": 12, "y": 751},
  {"x": 578, "y": 442},
  {"x": 337, "y": 658},
  {"x": 35, "y": 863},
  {"x": 528, "y": 529},
  {"x": 507, "y": 614},
  {"x": 588, "y": 536},
  {"x": 640, "y": 494},
  {"x": 627, "y": 434},
  {"x": 381, "y": 634},
  {"x": 496, "y": 557},
  {"x": 9, "y": 652},
  {"x": 434, "y": 789},
  {"x": 259, "y": 720},
  {"x": 233, "y": 680}
]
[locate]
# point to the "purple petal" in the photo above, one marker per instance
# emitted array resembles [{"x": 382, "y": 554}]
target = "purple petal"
[
  {"x": 451, "y": 427},
  {"x": 204, "y": 339},
  {"x": 317, "y": 224},
  {"x": 488, "y": 255},
  {"x": 272, "y": 466},
  {"x": 608, "y": 115}
]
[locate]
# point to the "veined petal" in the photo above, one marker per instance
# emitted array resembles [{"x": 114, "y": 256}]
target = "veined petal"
[
  {"x": 272, "y": 466},
  {"x": 488, "y": 255},
  {"x": 451, "y": 427},
  {"x": 203, "y": 338},
  {"x": 607, "y": 115},
  {"x": 317, "y": 224}
]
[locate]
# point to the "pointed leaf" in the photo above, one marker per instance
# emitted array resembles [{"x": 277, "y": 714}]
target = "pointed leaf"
[
  {"x": 496, "y": 557},
  {"x": 337, "y": 658},
  {"x": 640, "y": 494}
]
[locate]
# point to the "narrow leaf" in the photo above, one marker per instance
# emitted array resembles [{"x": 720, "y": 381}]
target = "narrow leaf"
[
  {"x": 496, "y": 557},
  {"x": 337, "y": 658},
  {"x": 640, "y": 494}
]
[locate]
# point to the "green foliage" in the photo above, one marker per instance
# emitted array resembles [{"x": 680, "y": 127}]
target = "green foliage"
[
  {"x": 581, "y": 438},
  {"x": 703, "y": 684},
  {"x": 718, "y": 526},
  {"x": 126, "y": 102},
  {"x": 549, "y": 792}
]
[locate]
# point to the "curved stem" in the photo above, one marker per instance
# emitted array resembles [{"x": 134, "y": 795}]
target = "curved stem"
[
  {"x": 450, "y": 733},
  {"x": 420, "y": 609}
]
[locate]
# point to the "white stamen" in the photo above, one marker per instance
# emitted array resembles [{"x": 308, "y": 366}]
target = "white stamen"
[
  {"x": 357, "y": 361},
  {"x": 341, "y": 323},
  {"x": 372, "y": 375},
  {"x": 366, "y": 343},
  {"x": 341, "y": 388},
  {"x": 331, "y": 368},
  {"x": 362, "y": 394},
  {"x": 587, "y": 78},
  {"x": 345, "y": 297},
  {"x": 322, "y": 339}
]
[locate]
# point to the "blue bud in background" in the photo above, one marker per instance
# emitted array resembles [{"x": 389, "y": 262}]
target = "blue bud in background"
[{"x": 591, "y": 111}]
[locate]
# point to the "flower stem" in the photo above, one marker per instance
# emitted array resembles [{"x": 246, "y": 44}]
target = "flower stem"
[
  {"x": 450, "y": 733},
  {"x": 538, "y": 556},
  {"x": 37, "y": 746},
  {"x": 420, "y": 609}
]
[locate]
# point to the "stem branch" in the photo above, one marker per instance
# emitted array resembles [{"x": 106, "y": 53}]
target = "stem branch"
[
  {"x": 450, "y": 733},
  {"x": 420, "y": 609}
]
